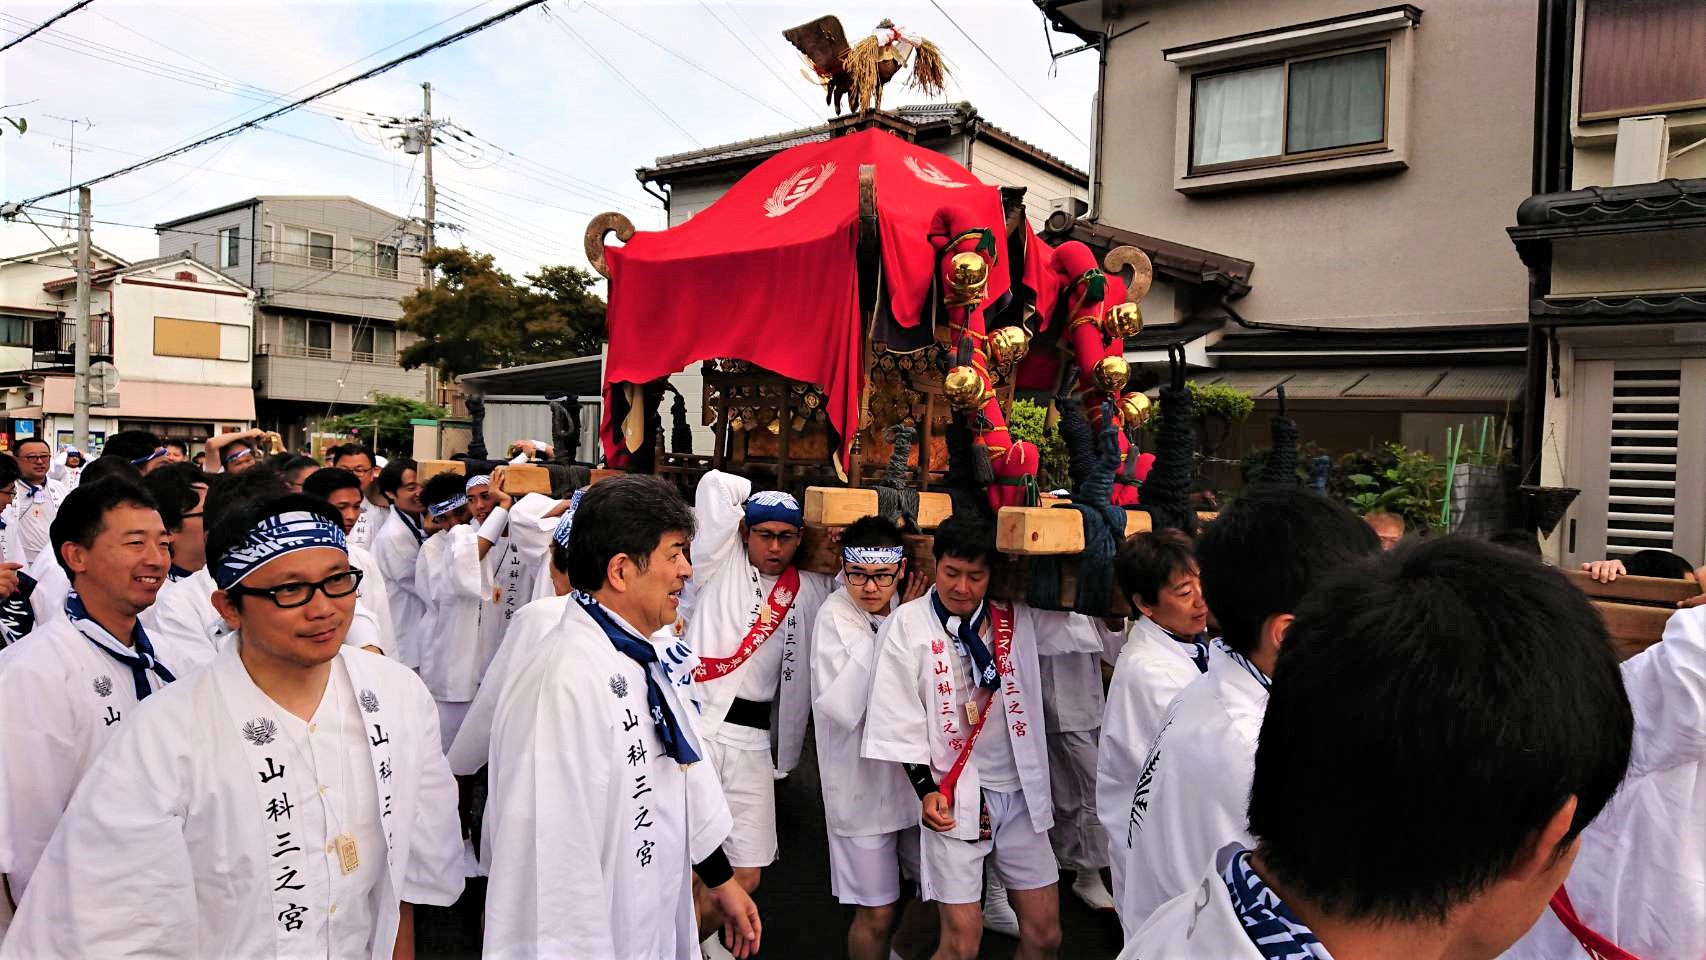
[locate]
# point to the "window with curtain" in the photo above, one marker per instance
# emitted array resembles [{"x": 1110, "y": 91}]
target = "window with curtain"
[
  {"x": 307, "y": 338},
  {"x": 375, "y": 344},
  {"x": 1282, "y": 111}
]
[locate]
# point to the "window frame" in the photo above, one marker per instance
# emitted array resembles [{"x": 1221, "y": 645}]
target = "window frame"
[
  {"x": 1193, "y": 169},
  {"x": 230, "y": 246},
  {"x": 29, "y": 328},
  {"x": 307, "y": 349}
]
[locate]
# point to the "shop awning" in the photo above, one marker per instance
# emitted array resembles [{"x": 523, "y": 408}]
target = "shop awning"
[{"x": 1453, "y": 384}]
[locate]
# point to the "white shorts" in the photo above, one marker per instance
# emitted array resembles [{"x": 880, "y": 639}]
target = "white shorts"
[
  {"x": 866, "y": 871},
  {"x": 750, "y": 791},
  {"x": 951, "y": 869}
]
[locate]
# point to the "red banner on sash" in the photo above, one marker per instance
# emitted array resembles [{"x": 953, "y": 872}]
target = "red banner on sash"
[
  {"x": 1592, "y": 941},
  {"x": 774, "y": 611},
  {"x": 1001, "y": 620}
]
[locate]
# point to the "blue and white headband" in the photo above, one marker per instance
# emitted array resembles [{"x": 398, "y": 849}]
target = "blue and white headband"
[
  {"x": 873, "y": 555},
  {"x": 237, "y": 455},
  {"x": 150, "y": 458},
  {"x": 773, "y": 505},
  {"x": 560, "y": 536},
  {"x": 478, "y": 480},
  {"x": 439, "y": 509},
  {"x": 273, "y": 538}
]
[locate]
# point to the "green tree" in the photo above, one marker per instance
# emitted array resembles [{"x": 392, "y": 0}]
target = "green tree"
[
  {"x": 392, "y": 415},
  {"x": 478, "y": 317}
]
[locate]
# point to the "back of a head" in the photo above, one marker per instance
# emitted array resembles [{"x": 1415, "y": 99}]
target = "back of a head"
[
  {"x": 1522, "y": 541},
  {"x": 83, "y": 511},
  {"x": 1430, "y": 713},
  {"x": 227, "y": 499},
  {"x": 9, "y": 472},
  {"x": 872, "y": 531},
  {"x": 1147, "y": 561},
  {"x": 629, "y": 515},
  {"x": 131, "y": 445},
  {"x": 173, "y": 487},
  {"x": 105, "y": 466},
  {"x": 1263, "y": 553},
  {"x": 326, "y": 481},
  {"x": 391, "y": 478},
  {"x": 1658, "y": 563},
  {"x": 965, "y": 537}
]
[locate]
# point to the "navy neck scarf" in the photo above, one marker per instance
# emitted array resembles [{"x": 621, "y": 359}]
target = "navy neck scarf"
[
  {"x": 140, "y": 660},
  {"x": 675, "y": 742},
  {"x": 1198, "y": 645},
  {"x": 970, "y": 636},
  {"x": 1271, "y": 926}
]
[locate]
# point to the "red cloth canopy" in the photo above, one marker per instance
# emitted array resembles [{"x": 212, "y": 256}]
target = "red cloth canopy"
[{"x": 768, "y": 273}]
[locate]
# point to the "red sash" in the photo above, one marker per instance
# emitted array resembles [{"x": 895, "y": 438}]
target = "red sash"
[
  {"x": 775, "y": 610},
  {"x": 1001, "y": 620},
  {"x": 1593, "y": 942}
]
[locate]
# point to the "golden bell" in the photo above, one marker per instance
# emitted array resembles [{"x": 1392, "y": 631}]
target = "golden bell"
[
  {"x": 1111, "y": 374},
  {"x": 1122, "y": 320},
  {"x": 968, "y": 273},
  {"x": 1008, "y": 344},
  {"x": 963, "y": 388},
  {"x": 1135, "y": 409}
]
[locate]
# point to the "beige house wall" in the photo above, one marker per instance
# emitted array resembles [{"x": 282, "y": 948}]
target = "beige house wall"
[{"x": 1419, "y": 246}]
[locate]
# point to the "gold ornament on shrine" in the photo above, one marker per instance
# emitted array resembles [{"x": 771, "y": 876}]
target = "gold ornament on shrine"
[
  {"x": 1122, "y": 320},
  {"x": 1111, "y": 374},
  {"x": 1135, "y": 409},
  {"x": 968, "y": 274},
  {"x": 1008, "y": 344},
  {"x": 963, "y": 387}
]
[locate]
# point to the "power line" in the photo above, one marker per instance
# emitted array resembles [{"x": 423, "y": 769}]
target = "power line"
[
  {"x": 1003, "y": 70},
  {"x": 456, "y": 130},
  {"x": 50, "y": 21},
  {"x": 758, "y": 57},
  {"x": 593, "y": 52},
  {"x": 328, "y": 91},
  {"x": 644, "y": 36}
]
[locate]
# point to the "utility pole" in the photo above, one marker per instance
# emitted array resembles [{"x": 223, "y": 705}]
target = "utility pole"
[
  {"x": 80, "y": 394},
  {"x": 426, "y": 148},
  {"x": 71, "y": 174}
]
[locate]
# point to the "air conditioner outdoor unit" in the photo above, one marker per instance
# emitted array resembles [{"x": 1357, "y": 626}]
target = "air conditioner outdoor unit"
[
  {"x": 1073, "y": 206},
  {"x": 1641, "y": 146}
]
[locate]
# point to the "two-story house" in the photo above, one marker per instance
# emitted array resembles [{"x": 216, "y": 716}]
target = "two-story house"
[
  {"x": 329, "y": 273},
  {"x": 1323, "y": 186},
  {"x": 689, "y": 182},
  {"x": 1614, "y": 239},
  {"x": 176, "y": 331}
]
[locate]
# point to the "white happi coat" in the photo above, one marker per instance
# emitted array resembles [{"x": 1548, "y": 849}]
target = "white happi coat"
[
  {"x": 529, "y": 532},
  {"x": 1152, "y": 669},
  {"x": 29, "y": 516},
  {"x": 861, "y": 797},
  {"x": 506, "y": 579},
  {"x": 1199, "y": 923},
  {"x": 202, "y": 853},
  {"x": 730, "y": 593},
  {"x": 1072, "y": 682},
  {"x": 592, "y": 830},
  {"x": 61, "y": 701},
  {"x": 917, "y": 708},
  {"x": 1640, "y": 876},
  {"x": 365, "y": 533},
  {"x": 394, "y": 551},
  {"x": 47, "y": 601},
  {"x": 454, "y": 652},
  {"x": 372, "y": 603},
  {"x": 1193, "y": 792}
]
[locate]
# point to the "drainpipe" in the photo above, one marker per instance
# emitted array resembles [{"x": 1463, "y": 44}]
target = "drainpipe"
[
  {"x": 1238, "y": 318},
  {"x": 661, "y": 195},
  {"x": 1101, "y": 98}
]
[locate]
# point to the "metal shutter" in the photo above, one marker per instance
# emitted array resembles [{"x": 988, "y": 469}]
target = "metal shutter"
[{"x": 1646, "y": 409}]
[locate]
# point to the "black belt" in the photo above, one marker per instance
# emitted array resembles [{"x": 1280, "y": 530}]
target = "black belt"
[{"x": 749, "y": 713}]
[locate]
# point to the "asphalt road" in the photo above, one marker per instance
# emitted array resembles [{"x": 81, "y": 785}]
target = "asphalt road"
[{"x": 801, "y": 918}]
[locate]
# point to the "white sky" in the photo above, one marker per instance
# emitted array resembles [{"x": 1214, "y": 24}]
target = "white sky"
[{"x": 149, "y": 76}]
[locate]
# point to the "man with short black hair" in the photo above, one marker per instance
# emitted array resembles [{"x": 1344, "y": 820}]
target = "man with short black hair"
[
  {"x": 358, "y": 459},
  {"x": 181, "y": 492},
  {"x": 1488, "y": 800},
  {"x": 395, "y": 548},
  {"x": 142, "y": 448},
  {"x": 66, "y": 687},
  {"x": 948, "y": 663},
  {"x": 600, "y": 794},
  {"x": 1258, "y": 559},
  {"x": 288, "y": 801},
  {"x": 1166, "y": 649},
  {"x": 177, "y": 451},
  {"x": 35, "y": 501},
  {"x": 342, "y": 489}
]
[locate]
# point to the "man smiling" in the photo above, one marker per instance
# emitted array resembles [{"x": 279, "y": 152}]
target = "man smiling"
[
  {"x": 302, "y": 774},
  {"x": 67, "y": 686}
]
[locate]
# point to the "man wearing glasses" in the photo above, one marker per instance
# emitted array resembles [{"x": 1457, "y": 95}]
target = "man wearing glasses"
[
  {"x": 751, "y": 628},
  {"x": 35, "y": 501},
  {"x": 872, "y": 813},
  {"x": 313, "y": 787},
  {"x": 72, "y": 683},
  {"x": 358, "y": 459}
]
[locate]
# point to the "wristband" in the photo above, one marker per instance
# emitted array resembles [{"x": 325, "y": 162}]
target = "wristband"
[
  {"x": 919, "y": 774},
  {"x": 492, "y": 530},
  {"x": 714, "y": 870}
]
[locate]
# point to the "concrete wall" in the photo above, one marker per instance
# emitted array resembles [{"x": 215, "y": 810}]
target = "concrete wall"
[
  {"x": 1421, "y": 246},
  {"x": 139, "y": 304},
  {"x": 993, "y": 163}
]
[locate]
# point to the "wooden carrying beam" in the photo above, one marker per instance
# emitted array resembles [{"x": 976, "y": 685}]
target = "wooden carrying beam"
[
  {"x": 840, "y": 506},
  {"x": 523, "y": 479},
  {"x": 1634, "y": 609},
  {"x": 427, "y": 469}
]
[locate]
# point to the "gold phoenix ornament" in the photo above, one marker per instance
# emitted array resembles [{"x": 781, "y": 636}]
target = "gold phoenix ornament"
[
  {"x": 1111, "y": 374},
  {"x": 1122, "y": 320},
  {"x": 1009, "y": 344}
]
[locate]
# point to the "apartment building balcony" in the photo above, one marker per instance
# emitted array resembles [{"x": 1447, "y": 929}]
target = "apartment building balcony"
[
  {"x": 54, "y": 342},
  {"x": 321, "y": 374}
]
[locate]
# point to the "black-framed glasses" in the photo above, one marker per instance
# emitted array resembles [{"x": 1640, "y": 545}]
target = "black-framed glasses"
[
  {"x": 296, "y": 594},
  {"x": 859, "y": 578}
]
